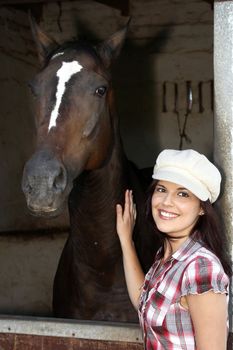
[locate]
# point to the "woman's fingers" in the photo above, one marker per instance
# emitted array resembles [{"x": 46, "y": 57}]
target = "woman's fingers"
[
  {"x": 134, "y": 211},
  {"x": 129, "y": 211},
  {"x": 131, "y": 201},
  {"x": 119, "y": 210},
  {"x": 127, "y": 202},
  {"x": 125, "y": 217}
]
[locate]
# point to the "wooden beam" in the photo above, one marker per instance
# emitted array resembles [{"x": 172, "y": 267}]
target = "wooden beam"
[
  {"x": 26, "y": 2},
  {"x": 122, "y": 5}
]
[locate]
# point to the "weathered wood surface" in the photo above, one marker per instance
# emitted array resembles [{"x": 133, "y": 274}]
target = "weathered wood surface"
[
  {"x": 34, "y": 342},
  {"x": 21, "y": 2},
  {"x": 10, "y": 341},
  {"x": 122, "y": 5}
]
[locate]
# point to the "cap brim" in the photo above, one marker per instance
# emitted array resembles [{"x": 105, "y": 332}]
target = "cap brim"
[{"x": 187, "y": 181}]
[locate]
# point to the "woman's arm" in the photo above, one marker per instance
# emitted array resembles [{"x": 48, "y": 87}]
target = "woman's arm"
[
  {"x": 133, "y": 272},
  {"x": 209, "y": 315}
]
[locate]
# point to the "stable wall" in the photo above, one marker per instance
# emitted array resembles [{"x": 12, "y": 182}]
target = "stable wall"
[{"x": 168, "y": 53}]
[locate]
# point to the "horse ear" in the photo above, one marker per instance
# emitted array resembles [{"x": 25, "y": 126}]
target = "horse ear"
[
  {"x": 111, "y": 48},
  {"x": 44, "y": 43}
]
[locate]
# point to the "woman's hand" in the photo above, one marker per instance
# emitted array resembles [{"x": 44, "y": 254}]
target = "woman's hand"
[
  {"x": 125, "y": 221},
  {"x": 125, "y": 218}
]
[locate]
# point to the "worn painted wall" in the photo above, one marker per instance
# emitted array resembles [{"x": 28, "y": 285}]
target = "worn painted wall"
[{"x": 167, "y": 55}]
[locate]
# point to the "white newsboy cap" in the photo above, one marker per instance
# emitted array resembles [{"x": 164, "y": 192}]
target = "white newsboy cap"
[{"x": 191, "y": 170}]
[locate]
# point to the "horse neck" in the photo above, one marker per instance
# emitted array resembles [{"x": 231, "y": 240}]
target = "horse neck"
[
  {"x": 108, "y": 181},
  {"x": 93, "y": 200},
  {"x": 105, "y": 183}
]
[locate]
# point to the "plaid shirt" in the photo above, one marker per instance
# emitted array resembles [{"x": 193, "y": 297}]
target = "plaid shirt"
[{"x": 165, "y": 323}]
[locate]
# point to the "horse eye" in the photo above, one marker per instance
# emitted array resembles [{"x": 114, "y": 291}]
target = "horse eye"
[{"x": 100, "y": 91}]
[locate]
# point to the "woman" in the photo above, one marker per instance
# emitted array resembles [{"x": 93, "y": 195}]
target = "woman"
[{"x": 182, "y": 301}]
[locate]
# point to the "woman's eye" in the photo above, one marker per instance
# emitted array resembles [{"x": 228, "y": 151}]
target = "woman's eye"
[
  {"x": 183, "y": 194},
  {"x": 159, "y": 189},
  {"x": 100, "y": 91}
]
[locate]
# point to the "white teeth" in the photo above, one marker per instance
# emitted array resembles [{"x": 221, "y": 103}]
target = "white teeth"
[{"x": 167, "y": 215}]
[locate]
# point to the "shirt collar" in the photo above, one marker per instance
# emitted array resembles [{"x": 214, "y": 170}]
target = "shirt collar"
[{"x": 188, "y": 248}]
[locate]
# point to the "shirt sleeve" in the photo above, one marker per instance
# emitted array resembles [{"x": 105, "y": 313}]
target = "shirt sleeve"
[{"x": 203, "y": 275}]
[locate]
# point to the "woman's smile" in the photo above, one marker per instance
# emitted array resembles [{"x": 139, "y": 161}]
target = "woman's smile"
[
  {"x": 175, "y": 209},
  {"x": 167, "y": 215}
]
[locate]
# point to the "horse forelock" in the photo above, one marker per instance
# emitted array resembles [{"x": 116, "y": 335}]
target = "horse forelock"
[{"x": 70, "y": 50}]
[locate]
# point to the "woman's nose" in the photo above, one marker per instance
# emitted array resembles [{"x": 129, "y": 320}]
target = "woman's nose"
[{"x": 167, "y": 199}]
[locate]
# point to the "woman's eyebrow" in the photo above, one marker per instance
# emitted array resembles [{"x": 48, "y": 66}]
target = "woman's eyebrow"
[{"x": 161, "y": 185}]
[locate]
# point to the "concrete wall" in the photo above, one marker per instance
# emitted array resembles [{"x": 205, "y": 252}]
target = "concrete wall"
[{"x": 168, "y": 53}]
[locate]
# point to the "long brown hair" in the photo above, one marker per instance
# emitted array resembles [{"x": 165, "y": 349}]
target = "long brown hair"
[{"x": 207, "y": 229}]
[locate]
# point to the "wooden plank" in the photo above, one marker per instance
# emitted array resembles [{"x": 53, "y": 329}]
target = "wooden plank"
[
  {"x": 35, "y": 342},
  {"x": 122, "y": 5},
  {"x": 7, "y": 341},
  {"x": 23, "y": 2}
]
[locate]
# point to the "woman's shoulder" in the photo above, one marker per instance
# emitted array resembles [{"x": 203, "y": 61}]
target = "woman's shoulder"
[
  {"x": 194, "y": 250},
  {"x": 207, "y": 254},
  {"x": 204, "y": 271},
  {"x": 204, "y": 258}
]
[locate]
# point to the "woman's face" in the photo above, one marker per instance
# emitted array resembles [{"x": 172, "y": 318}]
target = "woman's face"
[{"x": 175, "y": 209}]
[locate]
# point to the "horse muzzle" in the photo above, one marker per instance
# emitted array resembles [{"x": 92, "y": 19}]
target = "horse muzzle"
[{"x": 45, "y": 184}]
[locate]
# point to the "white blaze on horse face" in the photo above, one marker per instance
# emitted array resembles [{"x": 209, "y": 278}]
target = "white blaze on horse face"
[{"x": 64, "y": 74}]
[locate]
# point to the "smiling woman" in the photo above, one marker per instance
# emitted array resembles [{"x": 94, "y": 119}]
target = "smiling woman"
[
  {"x": 182, "y": 301},
  {"x": 175, "y": 209}
]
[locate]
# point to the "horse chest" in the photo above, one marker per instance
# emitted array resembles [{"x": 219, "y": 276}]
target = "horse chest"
[{"x": 92, "y": 228}]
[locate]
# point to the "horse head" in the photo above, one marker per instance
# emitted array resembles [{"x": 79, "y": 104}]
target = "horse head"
[{"x": 75, "y": 126}]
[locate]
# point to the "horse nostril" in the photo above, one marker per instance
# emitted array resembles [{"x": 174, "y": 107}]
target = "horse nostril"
[
  {"x": 27, "y": 188},
  {"x": 59, "y": 183}
]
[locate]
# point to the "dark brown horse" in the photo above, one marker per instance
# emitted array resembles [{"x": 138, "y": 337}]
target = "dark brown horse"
[{"x": 79, "y": 156}]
